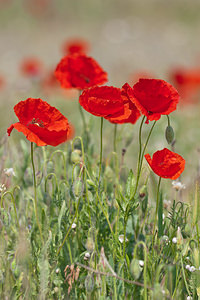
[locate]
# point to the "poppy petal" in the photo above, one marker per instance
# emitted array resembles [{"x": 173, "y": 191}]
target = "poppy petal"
[
  {"x": 154, "y": 97},
  {"x": 166, "y": 164}
]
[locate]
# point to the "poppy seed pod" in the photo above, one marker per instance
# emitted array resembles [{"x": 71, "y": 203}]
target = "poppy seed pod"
[
  {"x": 169, "y": 134},
  {"x": 135, "y": 268}
]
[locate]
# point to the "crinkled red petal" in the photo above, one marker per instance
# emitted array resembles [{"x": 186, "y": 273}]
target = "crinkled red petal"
[
  {"x": 42, "y": 136},
  {"x": 166, "y": 163},
  {"x": 154, "y": 97},
  {"x": 105, "y": 101},
  {"x": 30, "y": 109}
]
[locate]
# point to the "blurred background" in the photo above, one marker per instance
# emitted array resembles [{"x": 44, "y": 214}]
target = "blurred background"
[{"x": 129, "y": 39}]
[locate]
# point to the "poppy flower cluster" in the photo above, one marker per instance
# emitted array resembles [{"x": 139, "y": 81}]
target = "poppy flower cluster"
[
  {"x": 150, "y": 97},
  {"x": 166, "y": 163},
  {"x": 79, "y": 71},
  {"x": 41, "y": 123}
]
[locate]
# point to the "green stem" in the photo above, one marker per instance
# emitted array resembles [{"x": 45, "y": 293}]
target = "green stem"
[
  {"x": 145, "y": 265},
  {"x": 70, "y": 226},
  {"x": 140, "y": 161},
  {"x": 86, "y": 195},
  {"x": 145, "y": 146},
  {"x": 168, "y": 120},
  {"x": 115, "y": 138},
  {"x": 64, "y": 161},
  {"x": 157, "y": 202},
  {"x": 35, "y": 193},
  {"x": 82, "y": 116},
  {"x": 13, "y": 201},
  {"x": 124, "y": 241},
  {"x": 185, "y": 281},
  {"x": 101, "y": 149},
  {"x": 140, "y": 141}
]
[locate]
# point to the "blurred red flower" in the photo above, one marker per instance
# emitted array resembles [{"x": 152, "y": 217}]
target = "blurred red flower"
[
  {"x": 41, "y": 123},
  {"x": 154, "y": 97},
  {"x": 31, "y": 67},
  {"x": 38, "y": 7},
  {"x": 2, "y": 82},
  {"x": 79, "y": 71},
  {"x": 166, "y": 163},
  {"x": 187, "y": 82},
  {"x": 102, "y": 101},
  {"x": 76, "y": 46},
  {"x": 130, "y": 113},
  {"x": 49, "y": 81}
]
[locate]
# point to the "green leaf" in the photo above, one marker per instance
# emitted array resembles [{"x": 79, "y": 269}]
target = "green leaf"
[{"x": 130, "y": 185}]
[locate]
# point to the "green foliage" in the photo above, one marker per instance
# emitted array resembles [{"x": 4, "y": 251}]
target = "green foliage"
[{"x": 84, "y": 253}]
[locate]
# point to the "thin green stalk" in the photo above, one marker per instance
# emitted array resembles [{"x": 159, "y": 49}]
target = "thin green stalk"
[
  {"x": 140, "y": 141},
  {"x": 86, "y": 194},
  {"x": 101, "y": 149},
  {"x": 35, "y": 194},
  {"x": 145, "y": 265},
  {"x": 64, "y": 161},
  {"x": 168, "y": 120},
  {"x": 69, "y": 227},
  {"x": 145, "y": 146},
  {"x": 157, "y": 202},
  {"x": 140, "y": 160},
  {"x": 13, "y": 202},
  {"x": 184, "y": 278},
  {"x": 115, "y": 138},
  {"x": 70, "y": 253},
  {"x": 82, "y": 117}
]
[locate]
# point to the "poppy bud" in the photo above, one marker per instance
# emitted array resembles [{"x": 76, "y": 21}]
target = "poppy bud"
[
  {"x": 135, "y": 268},
  {"x": 169, "y": 134},
  {"x": 90, "y": 182},
  {"x": 76, "y": 156},
  {"x": 89, "y": 283},
  {"x": 90, "y": 243},
  {"x": 157, "y": 292},
  {"x": 78, "y": 188}
]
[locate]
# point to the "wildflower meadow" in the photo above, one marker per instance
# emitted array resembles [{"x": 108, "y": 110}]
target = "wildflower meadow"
[{"x": 100, "y": 182}]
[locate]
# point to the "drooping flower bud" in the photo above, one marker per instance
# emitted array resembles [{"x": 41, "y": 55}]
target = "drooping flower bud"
[{"x": 169, "y": 134}]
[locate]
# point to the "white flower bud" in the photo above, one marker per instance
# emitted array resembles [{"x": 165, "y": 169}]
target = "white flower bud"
[{"x": 174, "y": 240}]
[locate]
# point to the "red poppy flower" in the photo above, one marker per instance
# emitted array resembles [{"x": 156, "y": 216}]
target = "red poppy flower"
[
  {"x": 76, "y": 46},
  {"x": 79, "y": 71},
  {"x": 102, "y": 101},
  {"x": 166, "y": 163},
  {"x": 154, "y": 97},
  {"x": 41, "y": 123},
  {"x": 31, "y": 67},
  {"x": 130, "y": 113}
]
